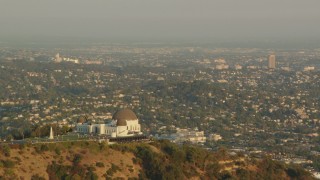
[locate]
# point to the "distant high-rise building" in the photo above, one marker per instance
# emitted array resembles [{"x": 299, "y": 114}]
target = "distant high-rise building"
[
  {"x": 58, "y": 58},
  {"x": 272, "y": 61}
]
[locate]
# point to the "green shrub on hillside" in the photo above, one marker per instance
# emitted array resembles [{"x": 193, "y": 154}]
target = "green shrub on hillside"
[
  {"x": 37, "y": 177},
  {"x": 99, "y": 164},
  {"x": 42, "y": 148},
  {"x": 296, "y": 172},
  {"x": 57, "y": 151},
  {"x": 8, "y": 163},
  {"x": 176, "y": 153},
  {"x": 6, "y": 150},
  {"x": 58, "y": 171},
  {"x": 76, "y": 159},
  {"x": 156, "y": 166},
  {"x": 9, "y": 174}
]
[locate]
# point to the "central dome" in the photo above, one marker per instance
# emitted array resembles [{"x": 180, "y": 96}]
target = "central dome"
[{"x": 123, "y": 116}]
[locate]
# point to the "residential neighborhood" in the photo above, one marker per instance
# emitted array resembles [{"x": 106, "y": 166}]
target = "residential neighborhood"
[{"x": 207, "y": 96}]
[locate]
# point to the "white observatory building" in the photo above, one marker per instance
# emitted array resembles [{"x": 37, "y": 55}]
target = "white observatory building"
[{"x": 124, "y": 123}]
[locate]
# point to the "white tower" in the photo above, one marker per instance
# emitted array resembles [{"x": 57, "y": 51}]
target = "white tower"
[{"x": 51, "y": 133}]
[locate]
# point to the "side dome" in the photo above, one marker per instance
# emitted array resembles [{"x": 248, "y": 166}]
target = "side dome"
[
  {"x": 124, "y": 114},
  {"x": 121, "y": 122}
]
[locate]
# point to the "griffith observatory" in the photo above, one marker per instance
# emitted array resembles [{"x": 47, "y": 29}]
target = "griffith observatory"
[{"x": 124, "y": 123}]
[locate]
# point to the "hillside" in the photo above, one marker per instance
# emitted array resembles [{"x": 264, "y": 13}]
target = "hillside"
[{"x": 156, "y": 160}]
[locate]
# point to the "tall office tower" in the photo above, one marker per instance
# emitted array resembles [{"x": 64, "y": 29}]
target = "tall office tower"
[
  {"x": 58, "y": 58},
  {"x": 272, "y": 61}
]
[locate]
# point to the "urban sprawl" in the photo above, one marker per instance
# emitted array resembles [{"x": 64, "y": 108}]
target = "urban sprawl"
[{"x": 249, "y": 100}]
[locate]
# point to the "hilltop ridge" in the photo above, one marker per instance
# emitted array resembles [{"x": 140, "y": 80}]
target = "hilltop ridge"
[{"x": 155, "y": 160}]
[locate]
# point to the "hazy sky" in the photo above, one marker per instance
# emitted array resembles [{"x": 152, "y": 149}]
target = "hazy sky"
[{"x": 160, "y": 18}]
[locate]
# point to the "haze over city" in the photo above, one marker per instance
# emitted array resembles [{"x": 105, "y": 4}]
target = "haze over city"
[{"x": 142, "y": 20}]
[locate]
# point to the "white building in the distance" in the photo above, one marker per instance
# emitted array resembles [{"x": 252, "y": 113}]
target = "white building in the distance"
[
  {"x": 124, "y": 123},
  {"x": 308, "y": 68},
  {"x": 59, "y": 59},
  {"x": 185, "y": 135}
]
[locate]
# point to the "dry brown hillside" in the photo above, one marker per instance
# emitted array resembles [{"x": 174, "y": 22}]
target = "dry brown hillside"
[
  {"x": 155, "y": 160},
  {"x": 33, "y": 160}
]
